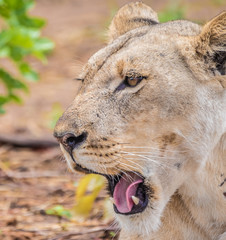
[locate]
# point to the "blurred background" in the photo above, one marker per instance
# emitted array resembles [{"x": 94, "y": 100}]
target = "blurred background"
[{"x": 38, "y": 197}]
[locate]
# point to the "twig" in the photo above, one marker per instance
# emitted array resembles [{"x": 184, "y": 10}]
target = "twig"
[
  {"x": 41, "y": 232},
  {"x": 46, "y": 174}
]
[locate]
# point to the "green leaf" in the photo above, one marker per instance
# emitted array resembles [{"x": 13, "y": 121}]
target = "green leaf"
[
  {"x": 28, "y": 32},
  {"x": 3, "y": 100},
  {"x": 4, "y": 11},
  {"x": 15, "y": 98},
  {"x": 19, "y": 39},
  {"x": 40, "y": 56},
  {"x": 4, "y": 38},
  {"x": 17, "y": 53},
  {"x": 43, "y": 45},
  {"x": 12, "y": 3},
  {"x": 27, "y": 4},
  {"x": 22, "y": 5},
  {"x": 28, "y": 72},
  {"x": 2, "y": 111},
  {"x": 11, "y": 82},
  {"x": 112, "y": 234},
  {"x": 59, "y": 211},
  {"x": 31, "y": 22},
  {"x": 4, "y": 52}
]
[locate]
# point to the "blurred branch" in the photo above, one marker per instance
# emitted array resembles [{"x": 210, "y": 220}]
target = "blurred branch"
[{"x": 21, "y": 142}]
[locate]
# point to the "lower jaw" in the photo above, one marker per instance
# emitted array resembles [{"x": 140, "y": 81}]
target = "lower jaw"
[{"x": 135, "y": 209}]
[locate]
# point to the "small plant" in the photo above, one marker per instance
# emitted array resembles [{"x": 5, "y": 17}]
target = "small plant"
[
  {"x": 58, "y": 211},
  {"x": 19, "y": 39},
  {"x": 112, "y": 234}
]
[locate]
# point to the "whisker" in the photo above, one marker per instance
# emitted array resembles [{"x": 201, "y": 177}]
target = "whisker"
[
  {"x": 129, "y": 177},
  {"x": 153, "y": 156},
  {"x": 130, "y": 166},
  {"x": 114, "y": 225},
  {"x": 136, "y": 165},
  {"x": 147, "y": 158},
  {"x": 162, "y": 165},
  {"x": 159, "y": 150},
  {"x": 119, "y": 175},
  {"x": 191, "y": 142},
  {"x": 132, "y": 162}
]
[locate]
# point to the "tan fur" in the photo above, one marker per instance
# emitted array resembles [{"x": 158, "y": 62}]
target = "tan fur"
[
  {"x": 171, "y": 127},
  {"x": 130, "y": 16}
]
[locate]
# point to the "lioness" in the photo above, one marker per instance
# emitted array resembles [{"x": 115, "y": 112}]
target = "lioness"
[{"x": 151, "y": 117}]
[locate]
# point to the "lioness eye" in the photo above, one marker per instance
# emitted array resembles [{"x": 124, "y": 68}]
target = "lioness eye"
[
  {"x": 133, "y": 81},
  {"x": 129, "y": 82}
]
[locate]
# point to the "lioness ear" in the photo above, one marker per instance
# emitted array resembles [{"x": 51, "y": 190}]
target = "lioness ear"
[
  {"x": 129, "y": 17},
  {"x": 211, "y": 44}
]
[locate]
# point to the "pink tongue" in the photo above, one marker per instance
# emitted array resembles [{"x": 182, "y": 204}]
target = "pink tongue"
[{"x": 124, "y": 190}]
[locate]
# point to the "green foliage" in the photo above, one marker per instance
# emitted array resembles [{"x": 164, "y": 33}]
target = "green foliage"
[
  {"x": 58, "y": 211},
  {"x": 112, "y": 234},
  {"x": 20, "y": 38},
  {"x": 173, "y": 11}
]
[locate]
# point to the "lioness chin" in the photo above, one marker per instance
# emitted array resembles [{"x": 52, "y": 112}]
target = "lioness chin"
[{"x": 151, "y": 117}]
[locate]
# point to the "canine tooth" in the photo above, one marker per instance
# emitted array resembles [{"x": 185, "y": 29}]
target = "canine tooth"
[
  {"x": 136, "y": 200},
  {"x": 112, "y": 200}
]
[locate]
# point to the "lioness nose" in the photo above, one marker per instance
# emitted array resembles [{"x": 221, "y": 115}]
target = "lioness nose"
[{"x": 70, "y": 141}]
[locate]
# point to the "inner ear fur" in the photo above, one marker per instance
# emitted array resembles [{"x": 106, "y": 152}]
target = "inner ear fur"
[
  {"x": 211, "y": 43},
  {"x": 131, "y": 16}
]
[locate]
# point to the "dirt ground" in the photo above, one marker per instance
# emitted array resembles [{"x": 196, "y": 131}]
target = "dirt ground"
[{"x": 33, "y": 180}]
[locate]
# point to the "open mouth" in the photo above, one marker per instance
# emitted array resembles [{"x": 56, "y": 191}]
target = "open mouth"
[{"x": 128, "y": 192}]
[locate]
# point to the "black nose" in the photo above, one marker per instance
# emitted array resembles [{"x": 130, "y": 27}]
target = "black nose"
[{"x": 70, "y": 141}]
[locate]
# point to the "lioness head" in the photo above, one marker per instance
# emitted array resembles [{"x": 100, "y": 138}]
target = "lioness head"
[{"x": 150, "y": 110}]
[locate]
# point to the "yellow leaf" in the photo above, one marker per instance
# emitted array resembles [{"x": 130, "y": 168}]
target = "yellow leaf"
[{"x": 87, "y": 191}]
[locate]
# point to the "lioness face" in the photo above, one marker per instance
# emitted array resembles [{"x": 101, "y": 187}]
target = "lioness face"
[{"x": 141, "y": 118}]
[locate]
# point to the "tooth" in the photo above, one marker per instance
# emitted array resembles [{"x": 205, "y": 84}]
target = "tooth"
[
  {"x": 112, "y": 200},
  {"x": 136, "y": 200}
]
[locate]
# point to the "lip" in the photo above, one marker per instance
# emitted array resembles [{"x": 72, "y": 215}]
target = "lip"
[{"x": 79, "y": 168}]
